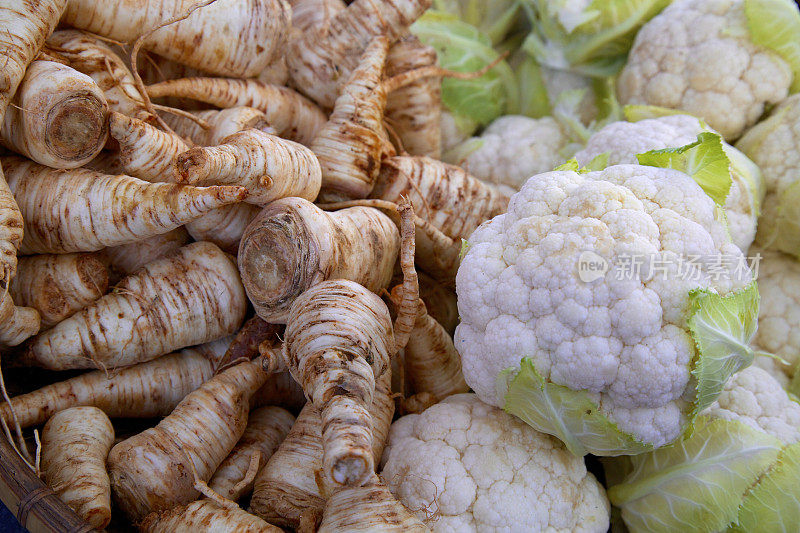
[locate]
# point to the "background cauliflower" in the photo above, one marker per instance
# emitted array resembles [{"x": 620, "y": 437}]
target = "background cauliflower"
[{"x": 464, "y": 466}]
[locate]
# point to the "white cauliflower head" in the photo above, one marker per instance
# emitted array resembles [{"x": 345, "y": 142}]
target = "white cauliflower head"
[
  {"x": 700, "y": 56},
  {"x": 772, "y": 145},
  {"x": 512, "y": 149},
  {"x": 554, "y": 280},
  {"x": 624, "y": 140},
  {"x": 465, "y": 466}
]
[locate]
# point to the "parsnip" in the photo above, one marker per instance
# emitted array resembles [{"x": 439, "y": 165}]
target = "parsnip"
[
  {"x": 141, "y": 391},
  {"x": 292, "y": 115},
  {"x": 324, "y": 56},
  {"x": 87, "y": 211},
  {"x": 267, "y": 166},
  {"x": 414, "y": 111},
  {"x": 189, "y": 297},
  {"x": 75, "y": 444},
  {"x": 58, "y": 117},
  {"x": 440, "y": 301},
  {"x": 106, "y": 162},
  {"x": 246, "y": 342},
  {"x": 128, "y": 258},
  {"x": 266, "y": 429},
  {"x": 88, "y": 54},
  {"x": 222, "y": 123},
  {"x": 224, "y": 226},
  {"x": 226, "y": 37},
  {"x": 308, "y": 14},
  {"x": 16, "y": 323},
  {"x": 205, "y": 516},
  {"x": 58, "y": 286},
  {"x": 368, "y": 508},
  {"x": 292, "y": 245},
  {"x": 26, "y": 26},
  {"x": 287, "y": 488},
  {"x": 157, "y": 469},
  {"x": 282, "y": 390},
  {"x": 276, "y": 73},
  {"x": 145, "y": 152}
]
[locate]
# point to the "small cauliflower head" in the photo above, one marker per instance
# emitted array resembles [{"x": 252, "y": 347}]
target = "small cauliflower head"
[
  {"x": 736, "y": 472},
  {"x": 581, "y": 315},
  {"x": 512, "y": 149},
  {"x": 624, "y": 140},
  {"x": 702, "y": 56},
  {"x": 779, "y": 314},
  {"x": 772, "y": 145},
  {"x": 463, "y": 465}
]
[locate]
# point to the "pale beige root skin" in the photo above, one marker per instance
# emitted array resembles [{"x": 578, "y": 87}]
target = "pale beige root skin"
[
  {"x": 87, "y": 211},
  {"x": 145, "y": 152},
  {"x": 91, "y": 56},
  {"x": 155, "y": 470},
  {"x": 306, "y": 14},
  {"x": 228, "y": 37},
  {"x": 276, "y": 73},
  {"x": 189, "y": 297},
  {"x": 57, "y": 118},
  {"x": 128, "y": 258},
  {"x": 16, "y": 323},
  {"x": 445, "y": 196},
  {"x": 205, "y": 516},
  {"x": 287, "y": 487},
  {"x": 224, "y": 226},
  {"x": 440, "y": 301},
  {"x": 106, "y": 162},
  {"x": 368, "y": 508},
  {"x": 266, "y": 429},
  {"x": 140, "y": 391},
  {"x": 349, "y": 147},
  {"x": 59, "y": 285},
  {"x": 414, "y": 111},
  {"x": 322, "y": 58},
  {"x": 267, "y": 166},
  {"x": 292, "y": 115},
  {"x": 281, "y": 390},
  {"x": 222, "y": 123},
  {"x": 75, "y": 444},
  {"x": 338, "y": 339},
  {"x": 292, "y": 245}
]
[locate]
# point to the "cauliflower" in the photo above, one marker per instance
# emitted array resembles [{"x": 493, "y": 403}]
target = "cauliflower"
[
  {"x": 772, "y": 144},
  {"x": 463, "y": 466},
  {"x": 623, "y": 140},
  {"x": 701, "y": 56},
  {"x": 736, "y": 472},
  {"x": 779, "y": 315},
  {"x": 558, "y": 327},
  {"x": 512, "y": 149}
]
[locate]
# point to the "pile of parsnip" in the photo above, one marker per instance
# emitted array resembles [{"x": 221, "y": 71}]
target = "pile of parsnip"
[{"x": 217, "y": 208}]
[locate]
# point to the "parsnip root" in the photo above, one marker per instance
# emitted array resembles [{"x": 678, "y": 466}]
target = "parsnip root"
[{"x": 145, "y": 152}]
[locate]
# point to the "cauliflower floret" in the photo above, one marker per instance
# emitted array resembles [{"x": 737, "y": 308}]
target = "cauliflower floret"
[
  {"x": 774, "y": 368},
  {"x": 511, "y": 150},
  {"x": 622, "y": 336},
  {"x": 624, "y": 140},
  {"x": 697, "y": 55},
  {"x": 559, "y": 81},
  {"x": 464, "y": 466},
  {"x": 779, "y": 314},
  {"x": 755, "y": 398}
]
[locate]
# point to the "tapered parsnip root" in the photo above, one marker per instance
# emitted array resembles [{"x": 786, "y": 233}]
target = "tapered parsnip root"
[
  {"x": 87, "y": 211},
  {"x": 226, "y": 37},
  {"x": 321, "y": 58},
  {"x": 267, "y": 166},
  {"x": 88, "y": 54},
  {"x": 145, "y": 152},
  {"x": 141, "y": 391},
  {"x": 224, "y": 226},
  {"x": 308, "y": 14},
  {"x": 414, "y": 111},
  {"x": 292, "y": 115},
  {"x": 75, "y": 444},
  {"x": 58, "y": 116},
  {"x": 368, "y": 508},
  {"x": 128, "y": 258},
  {"x": 276, "y": 73},
  {"x": 266, "y": 429},
  {"x": 59, "y": 285},
  {"x": 206, "y": 516},
  {"x": 221, "y": 123},
  {"x": 157, "y": 469},
  {"x": 16, "y": 323},
  {"x": 189, "y": 297},
  {"x": 106, "y": 162},
  {"x": 281, "y": 390},
  {"x": 287, "y": 487},
  {"x": 338, "y": 339},
  {"x": 292, "y": 245}
]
